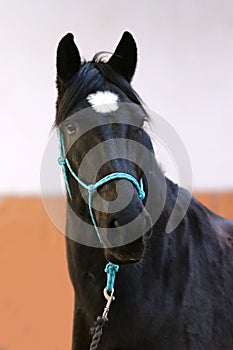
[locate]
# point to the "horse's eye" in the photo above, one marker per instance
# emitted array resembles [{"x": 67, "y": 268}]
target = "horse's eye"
[
  {"x": 139, "y": 131},
  {"x": 70, "y": 128}
]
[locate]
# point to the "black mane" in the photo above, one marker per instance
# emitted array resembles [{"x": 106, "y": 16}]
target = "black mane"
[{"x": 92, "y": 76}]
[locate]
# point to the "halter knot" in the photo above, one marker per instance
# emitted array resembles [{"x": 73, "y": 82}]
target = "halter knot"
[
  {"x": 61, "y": 161},
  {"x": 111, "y": 270},
  {"x": 141, "y": 191},
  {"x": 91, "y": 188},
  {"x": 142, "y": 194}
]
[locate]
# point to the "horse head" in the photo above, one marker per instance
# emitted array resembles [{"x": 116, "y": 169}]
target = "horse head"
[{"x": 101, "y": 122}]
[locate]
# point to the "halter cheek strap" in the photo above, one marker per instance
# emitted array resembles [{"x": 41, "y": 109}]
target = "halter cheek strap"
[{"x": 65, "y": 164}]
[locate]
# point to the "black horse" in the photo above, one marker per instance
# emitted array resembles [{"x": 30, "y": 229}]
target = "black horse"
[{"x": 173, "y": 291}]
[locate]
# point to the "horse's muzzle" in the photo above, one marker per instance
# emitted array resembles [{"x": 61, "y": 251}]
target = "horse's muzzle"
[{"x": 122, "y": 251}]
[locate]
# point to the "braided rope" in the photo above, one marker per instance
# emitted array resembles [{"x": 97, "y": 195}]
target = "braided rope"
[{"x": 97, "y": 331}]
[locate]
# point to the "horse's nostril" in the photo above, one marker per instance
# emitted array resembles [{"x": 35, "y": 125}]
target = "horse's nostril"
[{"x": 114, "y": 223}]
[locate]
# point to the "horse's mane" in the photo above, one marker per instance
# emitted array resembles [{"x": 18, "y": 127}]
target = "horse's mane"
[{"x": 92, "y": 76}]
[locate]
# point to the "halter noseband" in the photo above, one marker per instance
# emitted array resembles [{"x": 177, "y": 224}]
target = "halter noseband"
[{"x": 64, "y": 162}]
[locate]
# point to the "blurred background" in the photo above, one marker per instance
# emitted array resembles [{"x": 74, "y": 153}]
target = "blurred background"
[{"x": 185, "y": 74}]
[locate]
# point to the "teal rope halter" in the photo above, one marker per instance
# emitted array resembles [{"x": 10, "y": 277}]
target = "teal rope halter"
[
  {"x": 64, "y": 162},
  {"x": 111, "y": 269}
]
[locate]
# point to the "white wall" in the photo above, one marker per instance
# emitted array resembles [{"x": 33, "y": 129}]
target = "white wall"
[{"x": 185, "y": 74}]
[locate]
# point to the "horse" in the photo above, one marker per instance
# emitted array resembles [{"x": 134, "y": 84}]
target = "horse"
[{"x": 173, "y": 291}]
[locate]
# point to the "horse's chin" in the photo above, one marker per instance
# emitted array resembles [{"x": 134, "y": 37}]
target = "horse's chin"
[
  {"x": 116, "y": 256},
  {"x": 121, "y": 261}
]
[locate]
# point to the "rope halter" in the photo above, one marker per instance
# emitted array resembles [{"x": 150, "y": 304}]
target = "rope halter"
[{"x": 92, "y": 188}]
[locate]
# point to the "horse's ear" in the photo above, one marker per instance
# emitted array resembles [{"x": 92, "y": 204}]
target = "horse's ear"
[
  {"x": 68, "y": 58},
  {"x": 124, "y": 59}
]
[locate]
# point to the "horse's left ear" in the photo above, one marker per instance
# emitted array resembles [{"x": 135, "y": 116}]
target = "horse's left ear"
[
  {"x": 68, "y": 58},
  {"x": 124, "y": 59}
]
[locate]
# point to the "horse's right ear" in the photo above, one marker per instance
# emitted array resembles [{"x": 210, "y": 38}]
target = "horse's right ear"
[{"x": 68, "y": 58}]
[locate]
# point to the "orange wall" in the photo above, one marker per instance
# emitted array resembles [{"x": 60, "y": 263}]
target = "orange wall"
[
  {"x": 35, "y": 292},
  {"x": 36, "y": 297},
  {"x": 220, "y": 203}
]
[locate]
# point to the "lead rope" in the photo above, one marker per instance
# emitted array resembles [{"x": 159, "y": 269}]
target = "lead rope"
[{"x": 97, "y": 329}]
